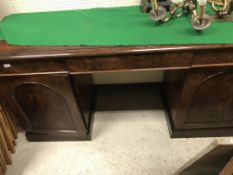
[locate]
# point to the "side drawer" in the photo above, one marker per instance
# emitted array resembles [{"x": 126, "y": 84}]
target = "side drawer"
[
  {"x": 213, "y": 58},
  {"x": 24, "y": 67}
]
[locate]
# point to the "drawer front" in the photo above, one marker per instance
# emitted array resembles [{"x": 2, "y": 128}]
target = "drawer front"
[
  {"x": 216, "y": 58},
  {"x": 130, "y": 62},
  {"x": 160, "y": 61},
  {"x": 31, "y": 67}
]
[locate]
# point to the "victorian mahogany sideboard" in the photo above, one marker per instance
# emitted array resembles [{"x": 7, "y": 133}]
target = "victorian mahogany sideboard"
[{"x": 51, "y": 92}]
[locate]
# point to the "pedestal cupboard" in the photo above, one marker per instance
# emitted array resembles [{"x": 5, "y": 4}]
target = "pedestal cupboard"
[{"x": 47, "y": 106}]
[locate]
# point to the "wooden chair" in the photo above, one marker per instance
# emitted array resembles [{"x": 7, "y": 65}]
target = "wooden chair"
[
  {"x": 216, "y": 159},
  {"x": 4, "y": 148},
  {"x": 7, "y": 132},
  {"x": 12, "y": 123},
  {"x": 8, "y": 135},
  {"x": 2, "y": 164}
]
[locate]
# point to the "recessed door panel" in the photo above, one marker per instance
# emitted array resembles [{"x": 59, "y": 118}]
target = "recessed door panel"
[
  {"x": 44, "y": 105},
  {"x": 207, "y": 100}
]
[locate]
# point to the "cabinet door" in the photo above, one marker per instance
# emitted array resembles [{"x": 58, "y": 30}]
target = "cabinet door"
[
  {"x": 45, "y": 105},
  {"x": 207, "y": 99}
]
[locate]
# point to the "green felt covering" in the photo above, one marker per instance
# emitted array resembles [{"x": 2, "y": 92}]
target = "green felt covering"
[
  {"x": 114, "y": 26},
  {"x": 1, "y": 36}
]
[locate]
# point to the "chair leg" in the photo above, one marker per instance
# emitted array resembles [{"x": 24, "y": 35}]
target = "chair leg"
[
  {"x": 7, "y": 132},
  {"x": 2, "y": 164},
  {"x": 8, "y": 135},
  {"x": 12, "y": 125},
  {"x": 1, "y": 171},
  {"x": 3, "y": 147}
]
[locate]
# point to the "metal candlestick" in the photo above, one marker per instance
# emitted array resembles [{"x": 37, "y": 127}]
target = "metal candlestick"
[
  {"x": 200, "y": 20},
  {"x": 157, "y": 12}
]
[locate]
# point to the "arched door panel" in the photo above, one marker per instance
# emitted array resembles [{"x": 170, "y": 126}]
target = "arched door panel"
[
  {"x": 45, "y": 105},
  {"x": 207, "y": 99}
]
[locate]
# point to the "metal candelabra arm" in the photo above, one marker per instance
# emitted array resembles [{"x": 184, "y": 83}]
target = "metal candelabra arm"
[
  {"x": 200, "y": 20},
  {"x": 219, "y": 7}
]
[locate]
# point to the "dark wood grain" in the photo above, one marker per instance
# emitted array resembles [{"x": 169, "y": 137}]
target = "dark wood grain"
[
  {"x": 34, "y": 52},
  {"x": 207, "y": 99},
  {"x": 84, "y": 89},
  {"x": 213, "y": 58},
  {"x": 173, "y": 90},
  {"x": 195, "y": 107},
  {"x": 160, "y": 61},
  {"x": 44, "y": 104},
  {"x": 200, "y": 100},
  {"x": 210, "y": 101},
  {"x": 129, "y": 97},
  {"x": 30, "y": 67}
]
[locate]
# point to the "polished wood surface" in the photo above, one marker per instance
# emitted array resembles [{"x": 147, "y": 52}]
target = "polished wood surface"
[
  {"x": 213, "y": 58},
  {"x": 8, "y": 52},
  {"x": 200, "y": 99},
  {"x": 198, "y": 86},
  {"x": 173, "y": 91},
  {"x": 30, "y": 67},
  {"x": 208, "y": 100},
  {"x": 45, "y": 105},
  {"x": 129, "y": 97},
  {"x": 159, "y": 61},
  {"x": 83, "y": 60},
  {"x": 84, "y": 89}
]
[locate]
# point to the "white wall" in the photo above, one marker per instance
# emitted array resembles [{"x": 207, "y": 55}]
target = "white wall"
[{"x": 23, "y": 6}]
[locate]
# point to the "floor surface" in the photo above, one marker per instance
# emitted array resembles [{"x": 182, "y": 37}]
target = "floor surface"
[{"x": 125, "y": 142}]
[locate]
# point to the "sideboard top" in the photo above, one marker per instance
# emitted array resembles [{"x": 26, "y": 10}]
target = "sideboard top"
[{"x": 8, "y": 52}]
